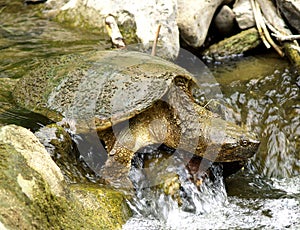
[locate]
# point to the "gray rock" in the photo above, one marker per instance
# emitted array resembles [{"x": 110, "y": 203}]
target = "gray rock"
[
  {"x": 224, "y": 20},
  {"x": 244, "y": 14},
  {"x": 139, "y": 17},
  {"x": 291, "y": 11},
  {"x": 194, "y": 18}
]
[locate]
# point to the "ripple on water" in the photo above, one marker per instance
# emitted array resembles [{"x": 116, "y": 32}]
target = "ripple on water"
[{"x": 269, "y": 106}]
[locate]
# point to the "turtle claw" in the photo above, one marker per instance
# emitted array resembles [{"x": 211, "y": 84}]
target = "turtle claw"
[{"x": 116, "y": 174}]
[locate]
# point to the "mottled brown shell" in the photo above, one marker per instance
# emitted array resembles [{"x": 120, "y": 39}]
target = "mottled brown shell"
[{"x": 108, "y": 86}]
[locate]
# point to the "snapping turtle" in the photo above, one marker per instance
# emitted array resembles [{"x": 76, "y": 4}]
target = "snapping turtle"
[{"x": 132, "y": 100}]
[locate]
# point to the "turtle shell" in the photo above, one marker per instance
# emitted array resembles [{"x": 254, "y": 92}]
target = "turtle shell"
[{"x": 105, "y": 87}]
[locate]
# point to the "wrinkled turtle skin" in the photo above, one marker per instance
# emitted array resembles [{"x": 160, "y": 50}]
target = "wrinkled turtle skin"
[{"x": 132, "y": 100}]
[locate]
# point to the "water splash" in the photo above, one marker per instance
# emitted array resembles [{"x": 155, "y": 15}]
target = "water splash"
[{"x": 196, "y": 194}]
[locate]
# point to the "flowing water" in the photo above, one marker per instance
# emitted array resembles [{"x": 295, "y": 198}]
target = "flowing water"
[{"x": 262, "y": 92}]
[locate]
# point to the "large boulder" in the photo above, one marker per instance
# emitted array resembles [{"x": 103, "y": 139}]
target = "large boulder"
[
  {"x": 194, "y": 18},
  {"x": 135, "y": 18},
  {"x": 32, "y": 153},
  {"x": 34, "y": 194}
]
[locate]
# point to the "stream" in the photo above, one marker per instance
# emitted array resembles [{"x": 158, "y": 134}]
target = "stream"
[{"x": 260, "y": 92}]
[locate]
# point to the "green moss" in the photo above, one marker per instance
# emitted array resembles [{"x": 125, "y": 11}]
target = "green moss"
[
  {"x": 110, "y": 204},
  {"x": 292, "y": 54},
  {"x": 82, "y": 18}
]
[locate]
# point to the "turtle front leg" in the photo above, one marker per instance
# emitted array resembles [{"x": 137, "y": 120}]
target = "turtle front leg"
[{"x": 124, "y": 140}]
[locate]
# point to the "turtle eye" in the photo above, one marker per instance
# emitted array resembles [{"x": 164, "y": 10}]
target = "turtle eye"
[{"x": 244, "y": 143}]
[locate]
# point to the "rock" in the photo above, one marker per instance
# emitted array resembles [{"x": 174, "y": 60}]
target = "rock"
[
  {"x": 237, "y": 44},
  {"x": 59, "y": 145},
  {"x": 225, "y": 20},
  {"x": 293, "y": 54},
  {"x": 136, "y": 19},
  {"x": 244, "y": 14},
  {"x": 36, "y": 157},
  {"x": 109, "y": 203},
  {"x": 34, "y": 195},
  {"x": 291, "y": 11},
  {"x": 194, "y": 18}
]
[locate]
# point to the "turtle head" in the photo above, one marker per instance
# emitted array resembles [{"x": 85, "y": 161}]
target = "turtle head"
[{"x": 237, "y": 144}]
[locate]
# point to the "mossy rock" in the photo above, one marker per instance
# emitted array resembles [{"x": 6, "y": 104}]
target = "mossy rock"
[
  {"x": 34, "y": 195},
  {"x": 107, "y": 206},
  {"x": 293, "y": 54},
  {"x": 91, "y": 20}
]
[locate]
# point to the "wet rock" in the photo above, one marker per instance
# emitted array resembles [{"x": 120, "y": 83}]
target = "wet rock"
[
  {"x": 55, "y": 139},
  {"x": 244, "y": 14},
  {"x": 59, "y": 145},
  {"x": 34, "y": 195},
  {"x": 110, "y": 204},
  {"x": 138, "y": 20},
  {"x": 194, "y": 18},
  {"x": 291, "y": 11},
  {"x": 225, "y": 20}
]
